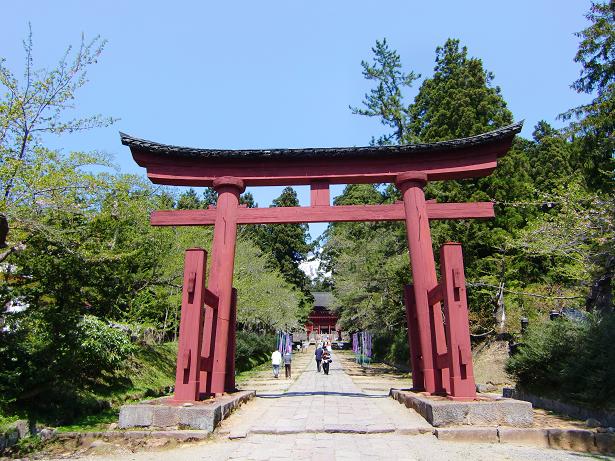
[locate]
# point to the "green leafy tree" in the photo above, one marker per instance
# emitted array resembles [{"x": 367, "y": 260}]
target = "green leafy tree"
[
  {"x": 247, "y": 199},
  {"x": 265, "y": 299},
  {"x": 576, "y": 240},
  {"x": 81, "y": 257},
  {"x": 550, "y": 158},
  {"x": 34, "y": 180}
]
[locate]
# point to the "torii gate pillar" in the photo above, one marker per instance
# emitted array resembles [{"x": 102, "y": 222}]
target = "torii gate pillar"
[
  {"x": 430, "y": 327},
  {"x": 218, "y": 322}
]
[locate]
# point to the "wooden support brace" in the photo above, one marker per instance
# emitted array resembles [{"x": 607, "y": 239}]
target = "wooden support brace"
[
  {"x": 442, "y": 361},
  {"x": 211, "y": 299},
  {"x": 457, "y": 327},
  {"x": 187, "y": 376},
  {"x": 435, "y": 295},
  {"x": 229, "y": 385},
  {"x": 414, "y": 343}
]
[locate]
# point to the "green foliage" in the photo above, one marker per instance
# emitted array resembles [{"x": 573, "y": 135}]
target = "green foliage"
[
  {"x": 287, "y": 243},
  {"x": 189, "y": 200},
  {"x": 550, "y": 244},
  {"x": 392, "y": 347},
  {"x": 569, "y": 359},
  {"x": 36, "y": 182},
  {"x": 386, "y": 99},
  {"x": 6, "y": 422},
  {"x": 253, "y": 349},
  {"x": 81, "y": 255},
  {"x": 102, "y": 347},
  {"x": 458, "y": 101},
  {"x": 266, "y": 299},
  {"x": 29, "y": 444},
  {"x": 594, "y": 121},
  {"x": 369, "y": 261}
]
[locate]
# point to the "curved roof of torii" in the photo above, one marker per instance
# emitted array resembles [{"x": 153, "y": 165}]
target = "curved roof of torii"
[
  {"x": 469, "y": 157},
  {"x": 319, "y": 152}
]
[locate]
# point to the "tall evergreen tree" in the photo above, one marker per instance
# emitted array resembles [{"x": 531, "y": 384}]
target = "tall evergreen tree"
[
  {"x": 386, "y": 100},
  {"x": 287, "y": 243},
  {"x": 595, "y": 121},
  {"x": 210, "y": 197},
  {"x": 189, "y": 200},
  {"x": 459, "y": 100}
]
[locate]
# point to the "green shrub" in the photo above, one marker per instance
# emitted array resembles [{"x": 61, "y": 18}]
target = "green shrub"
[
  {"x": 253, "y": 349},
  {"x": 27, "y": 445},
  {"x": 392, "y": 347},
  {"x": 569, "y": 359},
  {"x": 103, "y": 348}
]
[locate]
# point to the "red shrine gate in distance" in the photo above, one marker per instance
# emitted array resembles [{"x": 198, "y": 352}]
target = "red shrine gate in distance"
[{"x": 440, "y": 350}]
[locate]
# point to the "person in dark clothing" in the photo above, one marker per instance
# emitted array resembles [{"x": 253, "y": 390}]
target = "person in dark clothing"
[
  {"x": 326, "y": 360},
  {"x": 318, "y": 355},
  {"x": 288, "y": 357}
]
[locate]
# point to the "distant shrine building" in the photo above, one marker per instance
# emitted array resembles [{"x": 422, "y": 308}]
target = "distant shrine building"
[{"x": 321, "y": 320}]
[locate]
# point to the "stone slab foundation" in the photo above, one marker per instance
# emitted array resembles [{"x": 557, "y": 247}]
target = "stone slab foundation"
[
  {"x": 165, "y": 413},
  {"x": 483, "y": 411}
]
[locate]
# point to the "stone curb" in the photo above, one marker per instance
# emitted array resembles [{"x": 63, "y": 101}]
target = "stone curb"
[
  {"x": 574, "y": 411},
  {"x": 177, "y": 435},
  {"x": 564, "y": 439},
  {"x": 468, "y": 434},
  {"x": 333, "y": 429},
  {"x": 579, "y": 440}
]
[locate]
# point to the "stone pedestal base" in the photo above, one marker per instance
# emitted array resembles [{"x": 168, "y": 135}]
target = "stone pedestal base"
[
  {"x": 484, "y": 411},
  {"x": 165, "y": 413}
]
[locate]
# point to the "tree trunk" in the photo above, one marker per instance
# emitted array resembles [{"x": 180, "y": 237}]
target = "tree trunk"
[{"x": 601, "y": 295}]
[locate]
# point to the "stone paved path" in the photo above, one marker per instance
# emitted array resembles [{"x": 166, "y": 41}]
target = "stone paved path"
[{"x": 318, "y": 403}]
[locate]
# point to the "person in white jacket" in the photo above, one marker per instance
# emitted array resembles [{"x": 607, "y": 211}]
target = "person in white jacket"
[{"x": 276, "y": 360}]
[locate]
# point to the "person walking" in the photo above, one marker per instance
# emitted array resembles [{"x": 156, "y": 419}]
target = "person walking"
[
  {"x": 326, "y": 360},
  {"x": 276, "y": 360},
  {"x": 318, "y": 355},
  {"x": 288, "y": 357}
]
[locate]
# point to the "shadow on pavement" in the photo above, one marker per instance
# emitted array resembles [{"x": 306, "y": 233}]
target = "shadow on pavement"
[{"x": 306, "y": 393}]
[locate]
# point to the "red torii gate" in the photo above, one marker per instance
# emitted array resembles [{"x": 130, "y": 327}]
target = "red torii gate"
[{"x": 440, "y": 351}]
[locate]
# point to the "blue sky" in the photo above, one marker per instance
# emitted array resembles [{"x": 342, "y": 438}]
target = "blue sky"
[{"x": 240, "y": 74}]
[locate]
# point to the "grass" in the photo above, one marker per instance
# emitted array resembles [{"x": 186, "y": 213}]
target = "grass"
[
  {"x": 150, "y": 372},
  {"x": 92, "y": 423},
  {"x": 6, "y": 421},
  {"x": 248, "y": 374}
]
